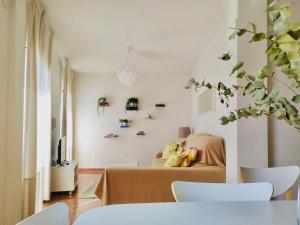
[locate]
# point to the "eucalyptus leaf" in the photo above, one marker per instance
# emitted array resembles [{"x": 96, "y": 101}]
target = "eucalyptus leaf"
[
  {"x": 285, "y": 12},
  {"x": 240, "y": 32},
  {"x": 258, "y": 37},
  {"x": 264, "y": 72},
  {"x": 296, "y": 99},
  {"x": 260, "y": 94},
  {"x": 241, "y": 75},
  {"x": 283, "y": 51},
  {"x": 274, "y": 93},
  {"x": 237, "y": 67},
  {"x": 226, "y": 56},
  {"x": 233, "y": 35},
  {"x": 259, "y": 85},
  {"x": 253, "y": 27}
]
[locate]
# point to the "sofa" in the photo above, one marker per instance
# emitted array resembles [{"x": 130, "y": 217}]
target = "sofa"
[
  {"x": 153, "y": 184},
  {"x": 143, "y": 185}
]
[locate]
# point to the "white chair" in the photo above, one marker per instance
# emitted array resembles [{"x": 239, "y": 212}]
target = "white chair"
[
  {"x": 57, "y": 214},
  {"x": 282, "y": 178},
  {"x": 193, "y": 191}
]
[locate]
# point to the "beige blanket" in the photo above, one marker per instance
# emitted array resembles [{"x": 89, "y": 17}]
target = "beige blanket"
[
  {"x": 141, "y": 185},
  {"x": 212, "y": 147}
]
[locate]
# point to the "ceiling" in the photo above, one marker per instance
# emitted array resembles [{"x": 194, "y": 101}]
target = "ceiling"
[{"x": 167, "y": 35}]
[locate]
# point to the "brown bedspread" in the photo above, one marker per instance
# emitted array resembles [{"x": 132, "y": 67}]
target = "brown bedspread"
[
  {"x": 141, "y": 185},
  {"x": 213, "y": 150}
]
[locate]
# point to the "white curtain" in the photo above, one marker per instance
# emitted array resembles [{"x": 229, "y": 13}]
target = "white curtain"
[
  {"x": 69, "y": 116},
  {"x": 66, "y": 123},
  {"x": 37, "y": 110}
]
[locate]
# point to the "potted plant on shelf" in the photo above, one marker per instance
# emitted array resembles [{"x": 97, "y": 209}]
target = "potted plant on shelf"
[
  {"x": 132, "y": 104},
  {"x": 283, "y": 51},
  {"x": 124, "y": 123},
  {"x": 102, "y": 103}
]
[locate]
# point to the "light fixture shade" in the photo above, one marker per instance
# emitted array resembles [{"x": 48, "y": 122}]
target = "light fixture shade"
[
  {"x": 183, "y": 132},
  {"x": 127, "y": 75}
]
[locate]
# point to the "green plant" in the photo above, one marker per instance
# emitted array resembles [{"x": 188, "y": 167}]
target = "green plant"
[
  {"x": 283, "y": 51},
  {"x": 123, "y": 120},
  {"x": 132, "y": 99}
]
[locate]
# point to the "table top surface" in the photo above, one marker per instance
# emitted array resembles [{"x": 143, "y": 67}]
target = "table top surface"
[{"x": 193, "y": 213}]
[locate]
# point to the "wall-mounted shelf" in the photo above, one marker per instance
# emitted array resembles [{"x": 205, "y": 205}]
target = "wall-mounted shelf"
[
  {"x": 148, "y": 117},
  {"x": 111, "y": 135},
  {"x": 160, "y": 105},
  {"x": 141, "y": 133},
  {"x": 129, "y": 108}
]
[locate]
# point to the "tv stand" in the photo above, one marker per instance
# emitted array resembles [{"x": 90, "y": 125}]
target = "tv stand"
[{"x": 64, "y": 178}]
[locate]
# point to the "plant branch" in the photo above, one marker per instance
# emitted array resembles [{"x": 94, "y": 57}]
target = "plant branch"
[{"x": 287, "y": 86}]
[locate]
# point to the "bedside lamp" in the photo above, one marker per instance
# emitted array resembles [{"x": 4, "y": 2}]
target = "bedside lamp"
[{"x": 183, "y": 132}]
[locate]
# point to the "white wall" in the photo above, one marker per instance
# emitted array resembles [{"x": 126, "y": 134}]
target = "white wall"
[
  {"x": 94, "y": 150},
  {"x": 284, "y": 140},
  {"x": 212, "y": 69},
  {"x": 252, "y": 153}
]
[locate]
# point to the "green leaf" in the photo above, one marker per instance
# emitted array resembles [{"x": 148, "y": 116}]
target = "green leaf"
[
  {"x": 292, "y": 110},
  {"x": 281, "y": 26},
  {"x": 231, "y": 117},
  {"x": 283, "y": 101},
  {"x": 296, "y": 99},
  {"x": 284, "y": 38},
  {"x": 274, "y": 93},
  {"x": 253, "y": 27},
  {"x": 233, "y": 35},
  {"x": 241, "y": 32},
  {"x": 297, "y": 127},
  {"x": 241, "y": 75},
  {"x": 259, "y": 85},
  {"x": 236, "y": 67},
  {"x": 260, "y": 94},
  {"x": 258, "y": 37},
  {"x": 208, "y": 85},
  {"x": 227, "y": 92},
  {"x": 250, "y": 77},
  {"x": 264, "y": 72},
  {"x": 221, "y": 86},
  {"x": 249, "y": 88},
  {"x": 285, "y": 12},
  {"x": 273, "y": 11},
  {"x": 226, "y": 56},
  {"x": 294, "y": 34},
  {"x": 224, "y": 120}
]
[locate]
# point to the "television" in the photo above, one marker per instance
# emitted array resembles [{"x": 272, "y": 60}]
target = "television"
[{"x": 61, "y": 151}]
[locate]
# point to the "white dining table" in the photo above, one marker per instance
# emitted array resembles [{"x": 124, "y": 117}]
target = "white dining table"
[{"x": 193, "y": 213}]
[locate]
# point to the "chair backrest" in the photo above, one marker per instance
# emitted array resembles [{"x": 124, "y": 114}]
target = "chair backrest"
[
  {"x": 56, "y": 214},
  {"x": 282, "y": 178},
  {"x": 193, "y": 191}
]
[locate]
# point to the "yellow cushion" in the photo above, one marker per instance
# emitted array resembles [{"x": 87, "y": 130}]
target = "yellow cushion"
[
  {"x": 169, "y": 149},
  {"x": 174, "y": 160}
]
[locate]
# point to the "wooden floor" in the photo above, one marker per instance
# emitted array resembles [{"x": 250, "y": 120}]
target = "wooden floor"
[{"x": 77, "y": 205}]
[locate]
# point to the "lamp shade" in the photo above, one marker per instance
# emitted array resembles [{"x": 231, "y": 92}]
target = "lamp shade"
[
  {"x": 127, "y": 75},
  {"x": 183, "y": 132}
]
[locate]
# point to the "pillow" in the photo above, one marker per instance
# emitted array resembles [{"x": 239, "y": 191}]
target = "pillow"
[
  {"x": 193, "y": 154},
  {"x": 186, "y": 162},
  {"x": 169, "y": 149},
  {"x": 174, "y": 160}
]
